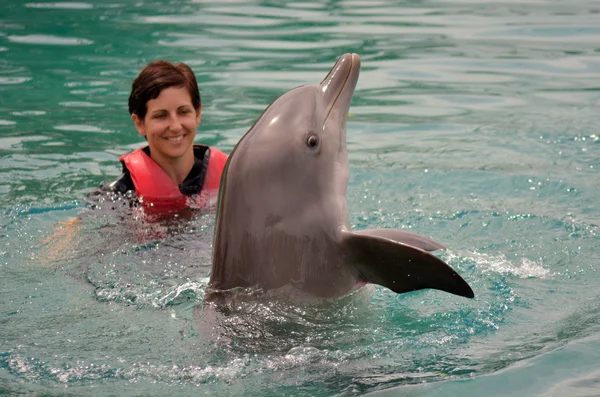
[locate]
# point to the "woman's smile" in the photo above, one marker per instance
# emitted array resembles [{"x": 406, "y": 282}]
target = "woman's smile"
[{"x": 175, "y": 138}]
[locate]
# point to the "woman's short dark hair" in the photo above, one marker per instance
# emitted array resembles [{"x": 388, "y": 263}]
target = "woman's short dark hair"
[{"x": 157, "y": 76}]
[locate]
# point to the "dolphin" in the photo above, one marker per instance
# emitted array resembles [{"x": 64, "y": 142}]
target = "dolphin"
[{"x": 282, "y": 217}]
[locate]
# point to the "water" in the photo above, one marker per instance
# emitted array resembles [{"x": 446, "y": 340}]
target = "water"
[{"x": 473, "y": 122}]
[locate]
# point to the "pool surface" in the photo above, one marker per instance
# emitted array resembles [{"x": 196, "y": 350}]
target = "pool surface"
[{"x": 473, "y": 122}]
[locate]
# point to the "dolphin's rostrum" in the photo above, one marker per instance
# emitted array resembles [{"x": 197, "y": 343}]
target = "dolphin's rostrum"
[{"x": 282, "y": 217}]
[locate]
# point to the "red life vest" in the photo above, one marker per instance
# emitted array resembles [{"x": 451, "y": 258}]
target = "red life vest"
[{"x": 157, "y": 192}]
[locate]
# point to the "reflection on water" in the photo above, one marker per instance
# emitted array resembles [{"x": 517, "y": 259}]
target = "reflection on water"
[{"x": 473, "y": 122}]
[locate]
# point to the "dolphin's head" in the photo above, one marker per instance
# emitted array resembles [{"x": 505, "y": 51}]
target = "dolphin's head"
[{"x": 295, "y": 154}]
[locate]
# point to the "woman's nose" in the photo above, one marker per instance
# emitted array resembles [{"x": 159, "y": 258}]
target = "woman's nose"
[{"x": 175, "y": 124}]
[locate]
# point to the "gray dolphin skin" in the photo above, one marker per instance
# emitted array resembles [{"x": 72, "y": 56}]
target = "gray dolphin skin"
[{"x": 282, "y": 216}]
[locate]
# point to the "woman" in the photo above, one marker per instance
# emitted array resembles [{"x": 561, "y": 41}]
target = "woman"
[{"x": 170, "y": 173}]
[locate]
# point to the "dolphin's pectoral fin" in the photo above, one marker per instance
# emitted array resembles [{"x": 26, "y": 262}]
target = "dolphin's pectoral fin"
[
  {"x": 400, "y": 267},
  {"x": 404, "y": 237}
]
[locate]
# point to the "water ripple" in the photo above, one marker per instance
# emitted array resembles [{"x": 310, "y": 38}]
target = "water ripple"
[
  {"x": 61, "y": 5},
  {"x": 49, "y": 40}
]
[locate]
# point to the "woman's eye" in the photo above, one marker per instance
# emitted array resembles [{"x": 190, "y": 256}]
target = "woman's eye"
[{"x": 312, "y": 141}]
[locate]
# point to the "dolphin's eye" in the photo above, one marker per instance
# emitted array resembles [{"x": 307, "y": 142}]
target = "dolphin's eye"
[{"x": 312, "y": 141}]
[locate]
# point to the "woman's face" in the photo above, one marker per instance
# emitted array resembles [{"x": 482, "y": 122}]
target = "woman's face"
[{"x": 170, "y": 124}]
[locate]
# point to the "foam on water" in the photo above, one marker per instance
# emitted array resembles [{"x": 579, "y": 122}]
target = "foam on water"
[{"x": 500, "y": 264}]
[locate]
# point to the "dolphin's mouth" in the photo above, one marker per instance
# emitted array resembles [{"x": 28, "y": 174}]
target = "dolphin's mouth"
[{"x": 339, "y": 84}]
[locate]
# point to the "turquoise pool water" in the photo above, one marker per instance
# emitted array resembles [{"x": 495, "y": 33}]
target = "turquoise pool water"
[{"x": 474, "y": 122}]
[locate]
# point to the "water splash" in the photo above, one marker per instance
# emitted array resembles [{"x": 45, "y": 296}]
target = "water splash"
[{"x": 500, "y": 264}]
